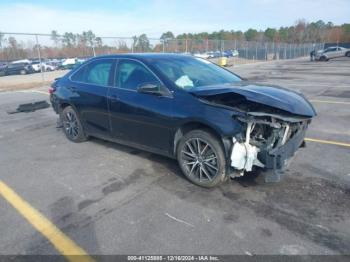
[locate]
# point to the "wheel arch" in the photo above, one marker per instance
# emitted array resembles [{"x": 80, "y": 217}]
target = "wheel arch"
[
  {"x": 62, "y": 105},
  {"x": 193, "y": 125}
]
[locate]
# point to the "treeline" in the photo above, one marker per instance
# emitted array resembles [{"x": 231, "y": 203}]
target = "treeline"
[
  {"x": 88, "y": 44},
  {"x": 57, "y": 45},
  {"x": 300, "y": 32}
]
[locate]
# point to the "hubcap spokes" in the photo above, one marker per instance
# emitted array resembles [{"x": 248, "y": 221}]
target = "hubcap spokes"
[
  {"x": 199, "y": 160},
  {"x": 71, "y": 125}
]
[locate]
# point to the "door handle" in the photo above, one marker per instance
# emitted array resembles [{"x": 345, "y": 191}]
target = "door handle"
[{"x": 113, "y": 98}]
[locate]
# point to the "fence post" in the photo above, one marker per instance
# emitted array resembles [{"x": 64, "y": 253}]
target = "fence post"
[
  {"x": 39, "y": 56},
  {"x": 93, "y": 49}
]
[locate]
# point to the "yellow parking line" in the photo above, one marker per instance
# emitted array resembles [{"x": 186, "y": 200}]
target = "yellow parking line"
[
  {"x": 59, "y": 240},
  {"x": 330, "y": 102},
  {"x": 327, "y": 142}
]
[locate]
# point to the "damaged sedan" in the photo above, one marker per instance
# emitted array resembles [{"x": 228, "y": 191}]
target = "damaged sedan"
[{"x": 214, "y": 123}]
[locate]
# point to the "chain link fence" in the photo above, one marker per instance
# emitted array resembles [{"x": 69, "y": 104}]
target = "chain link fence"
[
  {"x": 46, "y": 50},
  {"x": 15, "y": 46}
]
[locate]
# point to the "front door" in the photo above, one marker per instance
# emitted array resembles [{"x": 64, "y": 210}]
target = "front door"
[{"x": 140, "y": 118}]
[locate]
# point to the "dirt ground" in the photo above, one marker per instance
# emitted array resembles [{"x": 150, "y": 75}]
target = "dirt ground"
[{"x": 18, "y": 82}]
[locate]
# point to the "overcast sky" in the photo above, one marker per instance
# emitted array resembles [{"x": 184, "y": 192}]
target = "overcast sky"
[{"x": 153, "y": 17}]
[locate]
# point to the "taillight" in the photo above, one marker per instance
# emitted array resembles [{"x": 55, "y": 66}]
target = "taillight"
[{"x": 52, "y": 89}]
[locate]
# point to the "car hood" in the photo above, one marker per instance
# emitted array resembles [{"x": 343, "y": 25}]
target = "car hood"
[{"x": 272, "y": 96}]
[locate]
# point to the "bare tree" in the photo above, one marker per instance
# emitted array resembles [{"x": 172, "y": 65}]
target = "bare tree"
[{"x": 55, "y": 37}]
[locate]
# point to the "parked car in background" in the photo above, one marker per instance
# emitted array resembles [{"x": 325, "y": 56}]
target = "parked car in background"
[
  {"x": 201, "y": 55},
  {"x": 19, "y": 68},
  {"x": 21, "y": 61},
  {"x": 53, "y": 66},
  {"x": 56, "y": 63},
  {"x": 48, "y": 66},
  {"x": 230, "y": 53},
  {"x": 213, "y": 122},
  {"x": 3, "y": 67},
  {"x": 36, "y": 66},
  {"x": 214, "y": 54},
  {"x": 332, "y": 52},
  {"x": 69, "y": 63}
]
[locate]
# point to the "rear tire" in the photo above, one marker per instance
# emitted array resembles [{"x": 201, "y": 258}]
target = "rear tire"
[
  {"x": 201, "y": 158},
  {"x": 72, "y": 126},
  {"x": 347, "y": 54}
]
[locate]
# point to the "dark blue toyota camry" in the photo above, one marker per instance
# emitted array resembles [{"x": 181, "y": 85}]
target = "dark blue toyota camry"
[{"x": 214, "y": 123}]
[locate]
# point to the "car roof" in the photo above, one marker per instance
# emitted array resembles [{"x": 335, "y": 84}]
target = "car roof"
[{"x": 144, "y": 56}]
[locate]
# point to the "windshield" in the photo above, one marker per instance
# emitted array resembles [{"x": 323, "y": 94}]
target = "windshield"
[{"x": 190, "y": 72}]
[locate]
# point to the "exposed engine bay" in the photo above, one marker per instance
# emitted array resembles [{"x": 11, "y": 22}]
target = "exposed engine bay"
[
  {"x": 269, "y": 138},
  {"x": 263, "y": 134}
]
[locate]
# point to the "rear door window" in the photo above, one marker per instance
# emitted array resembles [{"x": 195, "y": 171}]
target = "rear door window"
[
  {"x": 98, "y": 72},
  {"x": 331, "y": 49}
]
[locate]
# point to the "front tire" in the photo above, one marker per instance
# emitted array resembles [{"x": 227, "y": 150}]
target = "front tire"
[
  {"x": 323, "y": 58},
  {"x": 201, "y": 158},
  {"x": 72, "y": 127}
]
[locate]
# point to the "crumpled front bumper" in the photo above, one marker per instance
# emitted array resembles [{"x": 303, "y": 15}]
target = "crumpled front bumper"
[{"x": 277, "y": 159}]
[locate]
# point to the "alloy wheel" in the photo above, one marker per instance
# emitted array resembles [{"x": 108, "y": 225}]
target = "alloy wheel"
[
  {"x": 199, "y": 160},
  {"x": 71, "y": 125}
]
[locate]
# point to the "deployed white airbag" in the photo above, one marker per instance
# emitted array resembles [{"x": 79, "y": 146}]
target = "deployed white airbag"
[{"x": 244, "y": 156}]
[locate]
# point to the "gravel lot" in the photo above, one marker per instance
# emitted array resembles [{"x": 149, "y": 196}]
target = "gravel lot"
[
  {"x": 16, "y": 82},
  {"x": 112, "y": 199}
]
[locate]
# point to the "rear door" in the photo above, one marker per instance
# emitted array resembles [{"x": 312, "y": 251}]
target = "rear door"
[
  {"x": 340, "y": 52},
  {"x": 89, "y": 88},
  {"x": 331, "y": 52},
  {"x": 139, "y": 118}
]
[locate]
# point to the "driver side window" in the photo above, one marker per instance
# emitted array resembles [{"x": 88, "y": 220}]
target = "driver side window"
[{"x": 132, "y": 74}]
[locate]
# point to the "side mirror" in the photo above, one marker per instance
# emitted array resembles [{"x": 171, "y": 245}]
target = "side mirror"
[
  {"x": 149, "y": 88},
  {"x": 152, "y": 89}
]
